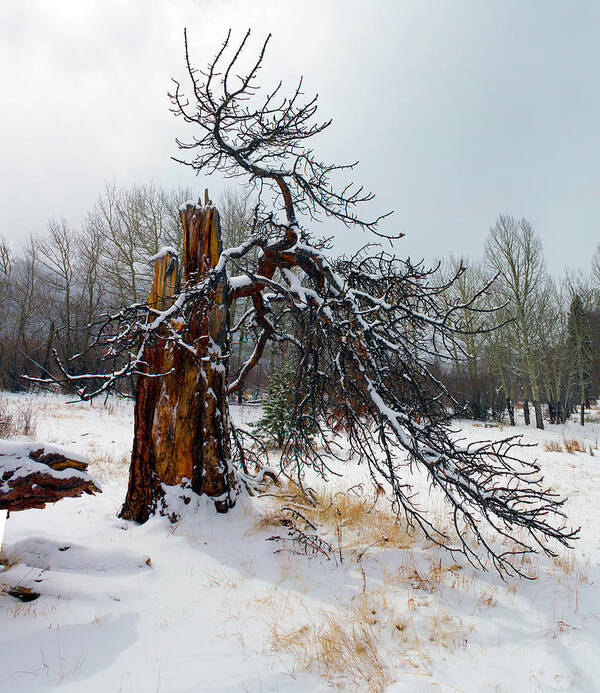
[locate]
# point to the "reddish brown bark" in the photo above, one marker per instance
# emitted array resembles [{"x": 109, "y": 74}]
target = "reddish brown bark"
[
  {"x": 181, "y": 420},
  {"x": 24, "y": 486}
]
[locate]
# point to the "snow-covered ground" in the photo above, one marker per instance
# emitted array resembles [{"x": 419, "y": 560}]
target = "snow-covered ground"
[{"x": 207, "y": 605}]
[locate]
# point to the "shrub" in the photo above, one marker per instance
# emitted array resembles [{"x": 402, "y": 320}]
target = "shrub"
[
  {"x": 7, "y": 422},
  {"x": 23, "y": 422}
]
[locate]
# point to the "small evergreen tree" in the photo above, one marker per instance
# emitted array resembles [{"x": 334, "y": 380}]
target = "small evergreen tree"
[
  {"x": 288, "y": 414},
  {"x": 278, "y": 406}
]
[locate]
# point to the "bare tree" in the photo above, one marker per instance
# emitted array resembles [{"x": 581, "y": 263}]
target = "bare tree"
[
  {"x": 26, "y": 288},
  {"x": 133, "y": 223},
  {"x": 172, "y": 202},
  {"x": 555, "y": 360},
  {"x": 370, "y": 325},
  {"x": 6, "y": 297},
  {"x": 6, "y": 264},
  {"x": 90, "y": 282},
  {"x": 469, "y": 356},
  {"x": 514, "y": 252},
  {"x": 56, "y": 254}
]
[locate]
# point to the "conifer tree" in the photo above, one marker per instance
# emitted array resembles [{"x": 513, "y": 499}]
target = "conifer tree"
[
  {"x": 277, "y": 407},
  {"x": 580, "y": 347},
  {"x": 288, "y": 412}
]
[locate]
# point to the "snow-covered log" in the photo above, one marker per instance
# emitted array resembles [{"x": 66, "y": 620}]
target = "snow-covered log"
[{"x": 33, "y": 474}]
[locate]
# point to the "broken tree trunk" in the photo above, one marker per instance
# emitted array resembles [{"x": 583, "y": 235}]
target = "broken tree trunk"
[
  {"x": 33, "y": 474},
  {"x": 182, "y": 419}
]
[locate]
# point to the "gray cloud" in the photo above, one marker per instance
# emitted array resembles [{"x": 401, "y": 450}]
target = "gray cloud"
[{"x": 457, "y": 110}]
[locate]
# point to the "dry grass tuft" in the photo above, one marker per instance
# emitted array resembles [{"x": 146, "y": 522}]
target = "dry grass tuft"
[
  {"x": 553, "y": 446},
  {"x": 360, "y": 646},
  {"x": 488, "y": 598},
  {"x": 352, "y": 521},
  {"x": 9, "y": 560},
  {"x": 570, "y": 445},
  {"x": 106, "y": 467},
  {"x": 221, "y": 579},
  {"x": 567, "y": 564},
  {"x": 362, "y": 523},
  {"x": 345, "y": 648},
  {"x": 447, "y": 631},
  {"x": 426, "y": 579},
  {"x": 429, "y": 581},
  {"x": 573, "y": 445}
]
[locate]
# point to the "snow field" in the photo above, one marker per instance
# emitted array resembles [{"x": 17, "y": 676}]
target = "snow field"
[{"x": 206, "y": 604}]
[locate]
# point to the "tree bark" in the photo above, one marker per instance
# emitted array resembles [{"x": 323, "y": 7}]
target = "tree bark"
[
  {"x": 47, "y": 353},
  {"x": 552, "y": 412},
  {"x": 539, "y": 420},
  {"x": 511, "y": 411},
  {"x": 182, "y": 419},
  {"x": 526, "y": 412}
]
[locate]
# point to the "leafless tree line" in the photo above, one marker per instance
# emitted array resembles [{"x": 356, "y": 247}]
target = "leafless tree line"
[
  {"x": 65, "y": 277},
  {"x": 544, "y": 354}
]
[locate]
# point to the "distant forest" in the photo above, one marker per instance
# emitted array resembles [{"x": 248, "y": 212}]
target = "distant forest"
[{"x": 540, "y": 349}]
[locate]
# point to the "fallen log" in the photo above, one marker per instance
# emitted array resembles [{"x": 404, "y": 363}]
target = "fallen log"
[{"x": 33, "y": 474}]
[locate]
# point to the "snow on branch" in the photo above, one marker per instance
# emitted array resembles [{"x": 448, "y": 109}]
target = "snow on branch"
[
  {"x": 364, "y": 332},
  {"x": 240, "y": 133}
]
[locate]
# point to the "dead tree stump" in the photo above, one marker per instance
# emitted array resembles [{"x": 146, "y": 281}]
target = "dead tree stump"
[{"x": 182, "y": 419}]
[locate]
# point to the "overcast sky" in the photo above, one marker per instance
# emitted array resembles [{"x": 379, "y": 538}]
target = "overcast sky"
[{"x": 457, "y": 110}]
